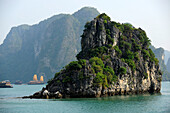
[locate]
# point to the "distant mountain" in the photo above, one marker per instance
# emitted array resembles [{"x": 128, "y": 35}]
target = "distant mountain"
[
  {"x": 168, "y": 65},
  {"x": 160, "y": 55},
  {"x": 167, "y": 56},
  {"x": 43, "y": 48}
]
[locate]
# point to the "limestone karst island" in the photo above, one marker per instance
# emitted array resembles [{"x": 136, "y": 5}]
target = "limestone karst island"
[{"x": 115, "y": 59}]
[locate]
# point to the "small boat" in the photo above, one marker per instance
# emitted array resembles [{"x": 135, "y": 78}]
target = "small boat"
[
  {"x": 5, "y": 84},
  {"x": 18, "y": 82},
  {"x": 35, "y": 81}
]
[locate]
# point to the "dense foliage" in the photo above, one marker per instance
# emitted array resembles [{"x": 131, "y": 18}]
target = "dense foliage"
[
  {"x": 104, "y": 17},
  {"x": 95, "y": 52},
  {"x": 104, "y": 75},
  {"x": 122, "y": 70}
]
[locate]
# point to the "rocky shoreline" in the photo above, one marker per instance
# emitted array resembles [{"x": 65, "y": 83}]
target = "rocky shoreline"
[{"x": 57, "y": 95}]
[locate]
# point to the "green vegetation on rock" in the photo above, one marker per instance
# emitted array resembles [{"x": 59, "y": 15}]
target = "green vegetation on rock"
[
  {"x": 74, "y": 65},
  {"x": 122, "y": 70},
  {"x": 103, "y": 74},
  {"x": 95, "y": 52},
  {"x": 103, "y": 16},
  {"x": 118, "y": 51},
  {"x": 96, "y": 61}
]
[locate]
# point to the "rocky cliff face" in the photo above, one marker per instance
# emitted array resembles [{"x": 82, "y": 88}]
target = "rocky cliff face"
[
  {"x": 115, "y": 60},
  {"x": 167, "y": 56},
  {"x": 160, "y": 55},
  {"x": 168, "y": 65},
  {"x": 43, "y": 48}
]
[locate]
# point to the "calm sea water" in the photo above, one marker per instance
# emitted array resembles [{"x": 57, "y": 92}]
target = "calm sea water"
[{"x": 159, "y": 103}]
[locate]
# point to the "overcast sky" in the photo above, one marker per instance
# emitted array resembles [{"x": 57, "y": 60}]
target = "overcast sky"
[{"x": 151, "y": 15}]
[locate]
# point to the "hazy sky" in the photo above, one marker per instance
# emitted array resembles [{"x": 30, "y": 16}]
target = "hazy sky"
[{"x": 151, "y": 15}]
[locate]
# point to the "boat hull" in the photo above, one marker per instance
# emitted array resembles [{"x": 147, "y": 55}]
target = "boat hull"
[
  {"x": 35, "y": 83},
  {"x": 6, "y": 86}
]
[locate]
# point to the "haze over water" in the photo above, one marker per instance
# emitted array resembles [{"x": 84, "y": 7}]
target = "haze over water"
[{"x": 157, "y": 103}]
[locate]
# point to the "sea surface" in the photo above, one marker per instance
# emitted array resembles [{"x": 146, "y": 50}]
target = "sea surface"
[{"x": 157, "y": 103}]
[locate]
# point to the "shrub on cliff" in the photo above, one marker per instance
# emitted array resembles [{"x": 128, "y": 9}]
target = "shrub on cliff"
[
  {"x": 82, "y": 62},
  {"x": 87, "y": 25},
  {"x": 126, "y": 45},
  {"x": 99, "y": 78},
  {"x": 146, "y": 54},
  {"x": 109, "y": 70},
  {"x": 56, "y": 75},
  {"x": 97, "y": 61},
  {"x": 110, "y": 74},
  {"x": 131, "y": 63},
  {"x": 118, "y": 51},
  {"x": 103, "y": 16},
  {"x": 122, "y": 70},
  {"x": 97, "y": 52},
  {"x": 74, "y": 65},
  {"x": 128, "y": 27},
  {"x": 136, "y": 56}
]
